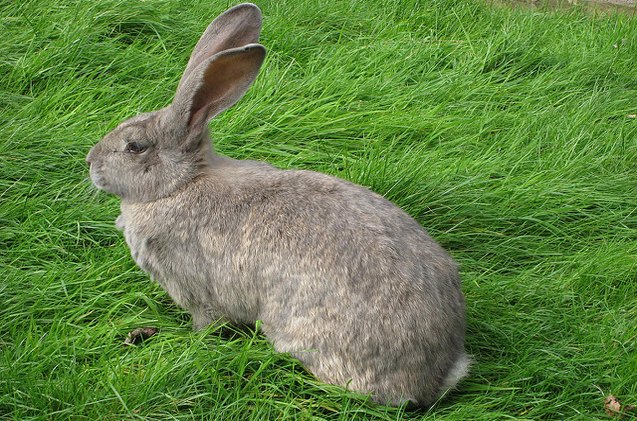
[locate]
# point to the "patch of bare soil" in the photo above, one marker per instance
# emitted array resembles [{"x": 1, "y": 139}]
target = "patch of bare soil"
[{"x": 629, "y": 6}]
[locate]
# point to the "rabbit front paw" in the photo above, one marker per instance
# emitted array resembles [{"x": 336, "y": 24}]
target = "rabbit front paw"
[
  {"x": 200, "y": 321},
  {"x": 119, "y": 223}
]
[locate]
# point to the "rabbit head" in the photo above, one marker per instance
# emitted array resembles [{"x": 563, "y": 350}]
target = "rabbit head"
[{"x": 153, "y": 154}]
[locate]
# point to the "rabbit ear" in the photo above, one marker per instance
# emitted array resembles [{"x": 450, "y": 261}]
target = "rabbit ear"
[
  {"x": 217, "y": 84},
  {"x": 236, "y": 27}
]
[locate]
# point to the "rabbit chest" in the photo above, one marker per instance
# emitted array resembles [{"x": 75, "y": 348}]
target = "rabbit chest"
[
  {"x": 195, "y": 264},
  {"x": 154, "y": 251}
]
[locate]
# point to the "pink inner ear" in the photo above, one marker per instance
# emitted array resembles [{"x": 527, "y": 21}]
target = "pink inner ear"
[
  {"x": 240, "y": 36},
  {"x": 209, "y": 92},
  {"x": 224, "y": 81},
  {"x": 236, "y": 27},
  {"x": 210, "y": 95}
]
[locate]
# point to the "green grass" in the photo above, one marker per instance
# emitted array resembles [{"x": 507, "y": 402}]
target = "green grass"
[{"x": 509, "y": 134}]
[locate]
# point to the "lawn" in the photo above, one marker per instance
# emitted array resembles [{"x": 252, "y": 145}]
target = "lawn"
[{"x": 510, "y": 134}]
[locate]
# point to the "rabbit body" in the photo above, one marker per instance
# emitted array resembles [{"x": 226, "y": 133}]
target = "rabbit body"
[{"x": 339, "y": 277}]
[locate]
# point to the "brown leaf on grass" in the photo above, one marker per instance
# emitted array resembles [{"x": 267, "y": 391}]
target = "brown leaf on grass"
[
  {"x": 614, "y": 408},
  {"x": 139, "y": 335},
  {"x": 612, "y": 405}
]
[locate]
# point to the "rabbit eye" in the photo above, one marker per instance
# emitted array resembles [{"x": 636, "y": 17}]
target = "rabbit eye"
[{"x": 135, "y": 147}]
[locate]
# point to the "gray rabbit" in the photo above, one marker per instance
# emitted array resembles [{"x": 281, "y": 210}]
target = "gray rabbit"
[{"x": 340, "y": 278}]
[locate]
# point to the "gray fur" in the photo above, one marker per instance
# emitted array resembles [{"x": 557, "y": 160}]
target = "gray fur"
[{"x": 340, "y": 277}]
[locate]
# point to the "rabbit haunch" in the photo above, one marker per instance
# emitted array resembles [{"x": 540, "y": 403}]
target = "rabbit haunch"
[{"x": 340, "y": 278}]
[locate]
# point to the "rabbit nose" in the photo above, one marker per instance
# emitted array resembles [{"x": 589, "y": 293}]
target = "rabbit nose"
[{"x": 89, "y": 157}]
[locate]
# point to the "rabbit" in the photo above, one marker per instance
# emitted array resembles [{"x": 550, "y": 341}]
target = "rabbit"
[{"x": 339, "y": 277}]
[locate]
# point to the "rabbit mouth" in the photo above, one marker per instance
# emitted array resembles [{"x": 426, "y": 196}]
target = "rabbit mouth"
[{"x": 97, "y": 179}]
